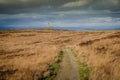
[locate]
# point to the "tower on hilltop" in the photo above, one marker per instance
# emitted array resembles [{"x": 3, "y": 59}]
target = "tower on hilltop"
[{"x": 49, "y": 26}]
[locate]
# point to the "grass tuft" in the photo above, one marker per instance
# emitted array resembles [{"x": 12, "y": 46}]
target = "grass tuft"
[
  {"x": 54, "y": 67},
  {"x": 84, "y": 69}
]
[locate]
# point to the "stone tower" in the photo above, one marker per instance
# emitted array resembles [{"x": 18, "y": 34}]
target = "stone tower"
[{"x": 49, "y": 27}]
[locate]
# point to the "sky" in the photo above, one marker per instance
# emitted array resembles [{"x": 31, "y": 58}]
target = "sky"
[{"x": 80, "y": 14}]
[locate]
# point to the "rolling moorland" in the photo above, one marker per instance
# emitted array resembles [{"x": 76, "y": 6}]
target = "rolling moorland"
[{"x": 28, "y": 54}]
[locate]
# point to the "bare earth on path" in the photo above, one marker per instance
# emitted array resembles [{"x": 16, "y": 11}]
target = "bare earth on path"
[{"x": 69, "y": 67}]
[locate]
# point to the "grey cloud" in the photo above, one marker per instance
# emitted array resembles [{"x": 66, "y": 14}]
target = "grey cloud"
[
  {"x": 78, "y": 3},
  {"x": 20, "y": 6},
  {"x": 112, "y": 5},
  {"x": 106, "y": 4},
  {"x": 39, "y": 6}
]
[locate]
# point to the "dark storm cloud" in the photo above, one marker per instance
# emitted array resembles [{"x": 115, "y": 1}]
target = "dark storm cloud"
[
  {"x": 62, "y": 13},
  {"x": 106, "y": 4},
  {"x": 21, "y": 6},
  {"x": 95, "y": 4}
]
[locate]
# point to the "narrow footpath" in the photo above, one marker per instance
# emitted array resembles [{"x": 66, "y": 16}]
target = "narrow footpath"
[{"x": 69, "y": 67}]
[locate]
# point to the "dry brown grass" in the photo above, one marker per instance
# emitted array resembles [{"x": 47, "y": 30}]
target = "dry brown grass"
[
  {"x": 102, "y": 53},
  {"x": 27, "y": 54}
]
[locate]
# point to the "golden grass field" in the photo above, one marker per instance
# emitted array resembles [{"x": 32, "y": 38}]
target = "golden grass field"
[{"x": 27, "y": 54}]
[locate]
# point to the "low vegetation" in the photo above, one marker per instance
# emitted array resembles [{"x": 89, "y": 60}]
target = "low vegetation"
[
  {"x": 54, "y": 67},
  {"x": 28, "y": 54},
  {"x": 84, "y": 69},
  {"x": 101, "y": 52}
]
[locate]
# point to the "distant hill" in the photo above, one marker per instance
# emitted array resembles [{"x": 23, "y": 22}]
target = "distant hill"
[{"x": 62, "y": 28}]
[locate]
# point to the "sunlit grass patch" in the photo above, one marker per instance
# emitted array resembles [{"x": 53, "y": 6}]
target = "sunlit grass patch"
[
  {"x": 54, "y": 67},
  {"x": 84, "y": 69}
]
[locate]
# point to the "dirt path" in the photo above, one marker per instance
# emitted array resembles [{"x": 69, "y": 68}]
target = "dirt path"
[{"x": 69, "y": 67}]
